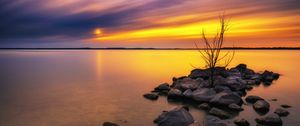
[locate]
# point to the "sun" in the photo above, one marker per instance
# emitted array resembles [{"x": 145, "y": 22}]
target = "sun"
[{"x": 98, "y": 31}]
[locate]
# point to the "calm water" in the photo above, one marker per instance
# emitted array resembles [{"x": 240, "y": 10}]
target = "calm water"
[{"x": 86, "y": 88}]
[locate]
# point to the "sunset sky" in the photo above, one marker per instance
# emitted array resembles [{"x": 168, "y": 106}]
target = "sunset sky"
[{"x": 146, "y": 23}]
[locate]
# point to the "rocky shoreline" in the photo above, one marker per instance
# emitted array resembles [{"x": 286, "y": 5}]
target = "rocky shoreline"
[{"x": 221, "y": 99}]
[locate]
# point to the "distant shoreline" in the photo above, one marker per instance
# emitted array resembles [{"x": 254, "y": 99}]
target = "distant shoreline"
[{"x": 121, "y": 48}]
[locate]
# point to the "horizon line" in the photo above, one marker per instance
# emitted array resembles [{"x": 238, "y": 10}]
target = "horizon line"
[{"x": 148, "y": 48}]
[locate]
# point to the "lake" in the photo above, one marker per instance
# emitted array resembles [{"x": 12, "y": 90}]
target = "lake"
[{"x": 89, "y": 87}]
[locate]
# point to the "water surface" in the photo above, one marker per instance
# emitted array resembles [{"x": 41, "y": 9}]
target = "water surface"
[{"x": 76, "y": 88}]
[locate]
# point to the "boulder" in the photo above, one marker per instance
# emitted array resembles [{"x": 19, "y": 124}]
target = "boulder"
[
  {"x": 269, "y": 76},
  {"x": 235, "y": 72},
  {"x": 281, "y": 112},
  {"x": 248, "y": 87},
  {"x": 235, "y": 107},
  {"x": 213, "y": 121},
  {"x": 219, "y": 113},
  {"x": 241, "y": 122},
  {"x": 269, "y": 120},
  {"x": 261, "y": 106},
  {"x": 235, "y": 83},
  {"x": 241, "y": 67},
  {"x": 204, "y": 106},
  {"x": 109, "y": 124},
  {"x": 199, "y": 73},
  {"x": 219, "y": 88},
  {"x": 187, "y": 83},
  {"x": 176, "y": 117},
  {"x": 253, "y": 98},
  {"x": 151, "y": 96},
  {"x": 225, "y": 98},
  {"x": 174, "y": 94},
  {"x": 203, "y": 94},
  {"x": 285, "y": 106},
  {"x": 162, "y": 87},
  {"x": 188, "y": 93}
]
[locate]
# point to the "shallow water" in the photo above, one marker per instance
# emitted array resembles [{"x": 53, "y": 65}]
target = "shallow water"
[{"x": 76, "y": 88}]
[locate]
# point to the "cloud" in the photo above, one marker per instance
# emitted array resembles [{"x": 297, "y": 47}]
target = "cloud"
[{"x": 76, "y": 19}]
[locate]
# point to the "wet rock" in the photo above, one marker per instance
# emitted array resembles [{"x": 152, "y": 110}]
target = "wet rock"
[
  {"x": 270, "y": 120},
  {"x": 176, "y": 117},
  {"x": 151, "y": 96},
  {"x": 204, "y": 106},
  {"x": 253, "y": 98},
  {"x": 109, "y": 124},
  {"x": 203, "y": 94},
  {"x": 241, "y": 122},
  {"x": 219, "y": 113},
  {"x": 281, "y": 112},
  {"x": 174, "y": 94},
  {"x": 188, "y": 93},
  {"x": 162, "y": 87},
  {"x": 235, "y": 107},
  {"x": 225, "y": 98},
  {"x": 213, "y": 121},
  {"x": 285, "y": 106},
  {"x": 261, "y": 106}
]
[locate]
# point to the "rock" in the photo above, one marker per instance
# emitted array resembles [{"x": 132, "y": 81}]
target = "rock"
[
  {"x": 273, "y": 99},
  {"x": 235, "y": 107},
  {"x": 225, "y": 98},
  {"x": 162, "y": 87},
  {"x": 176, "y": 117},
  {"x": 241, "y": 67},
  {"x": 213, "y": 121},
  {"x": 235, "y": 83},
  {"x": 203, "y": 94},
  {"x": 269, "y": 76},
  {"x": 199, "y": 73},
  {"x": 220, "y": 88},
  {"x": 187, "y": 83},
  {"x": 109, "y": 124},
  {"x": 281, "y": 112},
  {"x": 204, "y": 106},
  {"x": 188, "y": 93},
  {"x": 248, "y": 87},
  {"x": 276, "y": 76},
  {"x": 219, "y": 113},
  {"x": 261, "y": 106},
  {"x": 174, "y": 94},
  {"x": 253, "y": 98},
  {"x": 151, "y": 96},
  {"x": 285, "y": 106},
  {"x": 270, "y": 120},
  {"x": 241, "y": 122},
  {"x": 235, "y": 72},
  {"x": 251, "y": 82}
]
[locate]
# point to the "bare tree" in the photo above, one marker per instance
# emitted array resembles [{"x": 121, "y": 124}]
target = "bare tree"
[{"x": 212, "y": 53}]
